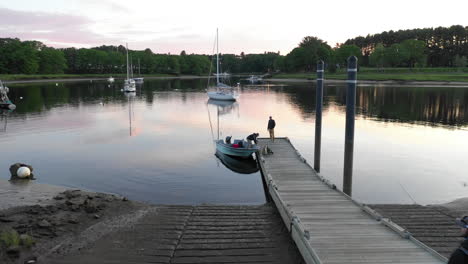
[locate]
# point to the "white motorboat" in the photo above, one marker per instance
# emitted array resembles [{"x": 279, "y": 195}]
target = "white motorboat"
[
  {"x": 238, "y": 147},
  {"x": 111, "y": 79}
]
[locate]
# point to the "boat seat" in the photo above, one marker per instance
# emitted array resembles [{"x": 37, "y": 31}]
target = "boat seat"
[{"x": 240, "y": 142}]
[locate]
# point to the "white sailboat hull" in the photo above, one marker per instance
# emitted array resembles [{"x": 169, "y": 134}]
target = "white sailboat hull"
[
  {"x": 129, "y": 85},
  {"x": 221, "y": 96}
]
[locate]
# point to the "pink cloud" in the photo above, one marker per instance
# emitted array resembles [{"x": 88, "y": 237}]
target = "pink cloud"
[{"x": 51, "y": 28}]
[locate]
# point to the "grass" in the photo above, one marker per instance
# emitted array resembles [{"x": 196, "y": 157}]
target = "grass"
[
  {"x": 10, "y": 237},
  {"x": 396, "y": 74}
]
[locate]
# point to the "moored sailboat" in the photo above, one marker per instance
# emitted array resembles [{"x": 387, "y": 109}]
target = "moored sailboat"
[
  {"x": 129, "y": 83},
  {"x": 223, "y": 91}
]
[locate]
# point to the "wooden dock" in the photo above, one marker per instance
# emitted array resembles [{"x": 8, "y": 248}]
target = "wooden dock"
[{"x": 326, "y": 224}]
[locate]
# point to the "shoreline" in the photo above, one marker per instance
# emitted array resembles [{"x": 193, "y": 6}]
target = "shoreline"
[
  {"x": 62, "y": 220},
  {"x": 275, "y": 80},
  {"x": 188, "y": 77},
  {"x": 386, "y": 82}
]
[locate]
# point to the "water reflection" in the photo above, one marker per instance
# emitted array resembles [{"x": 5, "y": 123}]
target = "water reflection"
[
  {"x": 425, "y": 105},
  {"x": 239, "y": 165},
  {"x": 71, "y": 126},
  {"x": 4, "y": 119},
  {"x": 131, "y": 112}
]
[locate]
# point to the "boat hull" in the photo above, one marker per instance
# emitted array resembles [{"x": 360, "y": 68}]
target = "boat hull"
[
  {"x": 129, "y": 86},
  {"x": 221, "y": 96},
  {"x": 227, "y": 149}
]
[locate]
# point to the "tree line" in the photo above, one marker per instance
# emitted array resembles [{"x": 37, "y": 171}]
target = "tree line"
[
  {"x": 428, "y": 47},
  {"x": 443, "y": 46}
]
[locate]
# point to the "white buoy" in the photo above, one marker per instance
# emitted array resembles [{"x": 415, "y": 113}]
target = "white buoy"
[
  {"x": 56, "y": 84},
  {"x": 23, "y": 172},
  {"x": 21, "y": 97},
  {"x": 12, "y": 107}
]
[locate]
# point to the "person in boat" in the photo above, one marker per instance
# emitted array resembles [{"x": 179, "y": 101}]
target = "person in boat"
[
  {"x": 460, "y": 255},
  {"x": 252, "y": 138},
  {"x": 271, "y": 129}
]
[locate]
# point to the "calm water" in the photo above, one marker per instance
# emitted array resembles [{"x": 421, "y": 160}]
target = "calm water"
[{"x": 156, "y": 146}]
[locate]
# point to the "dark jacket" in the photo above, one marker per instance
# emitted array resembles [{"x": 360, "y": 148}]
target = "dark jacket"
[
  {"x": 271, "y": 124},
  {"x": 460, "y": 255},
  {"x": 253, "y": 137}
]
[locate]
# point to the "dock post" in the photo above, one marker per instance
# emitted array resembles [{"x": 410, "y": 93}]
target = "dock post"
[
  {"x": 318, "y": 115},
  {"x": 349, "y": 132}
]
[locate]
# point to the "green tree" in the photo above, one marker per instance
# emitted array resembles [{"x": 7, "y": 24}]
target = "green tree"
[
  {"x": 414, "y": 50},
  {"x": 378, "y": 57},
  {"x": 51, "y": 61},
  {"x": 342, "y": 53},
  {"x": 460, "y": 61}
]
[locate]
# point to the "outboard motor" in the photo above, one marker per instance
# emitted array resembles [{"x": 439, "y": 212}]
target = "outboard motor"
[{"x": 228, "y": 139}]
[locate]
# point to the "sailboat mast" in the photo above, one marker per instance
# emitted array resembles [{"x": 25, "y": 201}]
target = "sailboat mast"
[
  {"x": 218, "y": 119},
  {"x": 217, "y": 58},
  {"x": 126, "y": 45},
  {"x": 139, "y": 74},
  {"x": 131, "y": 66}
]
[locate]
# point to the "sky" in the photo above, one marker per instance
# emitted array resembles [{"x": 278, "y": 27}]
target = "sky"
[{"x": 255, "y": 26}]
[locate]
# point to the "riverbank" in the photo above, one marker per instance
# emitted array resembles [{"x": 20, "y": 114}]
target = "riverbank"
[
  {"x": 407, "y": 76},
  {"x": 25, "y": 77},
  {"x": 75, "y": 226},
  {"x": 93, "y": 78},
  {"x": 39, "y": 220},
  {"x": 370, "y": 82}
]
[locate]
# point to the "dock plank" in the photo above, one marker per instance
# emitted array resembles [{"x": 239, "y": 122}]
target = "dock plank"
[{"x": 339, "y": 230}]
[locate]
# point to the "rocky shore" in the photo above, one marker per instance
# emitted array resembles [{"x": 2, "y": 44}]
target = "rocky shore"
[{"x": 46, "y": 226}]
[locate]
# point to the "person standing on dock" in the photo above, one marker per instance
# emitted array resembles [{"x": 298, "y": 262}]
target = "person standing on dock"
[
  {"x": 460, "y": 255},
  {"x": 271, "y": 129}
]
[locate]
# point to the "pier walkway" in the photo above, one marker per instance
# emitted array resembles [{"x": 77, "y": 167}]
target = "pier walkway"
[{"x": 326, "y": 224}]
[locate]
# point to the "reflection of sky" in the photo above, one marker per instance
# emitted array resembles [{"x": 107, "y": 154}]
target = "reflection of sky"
[{"x": 170, "y": 157}]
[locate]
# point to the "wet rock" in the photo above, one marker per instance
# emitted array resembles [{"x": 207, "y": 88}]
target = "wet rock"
[
  {"x": 5, "y": 219},
  {"x": 60, "y": 196},
  {"x": 44, "y": 224},
  {"x": 90, "y": 207},
  {"x": 74, "y": 207},
  {"x": 70, "y": 194},
  {"x": 73, "y": 220},
  {"x": 13, "y": 251}
]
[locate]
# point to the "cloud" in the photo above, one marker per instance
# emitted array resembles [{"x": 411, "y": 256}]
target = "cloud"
[{"x": 51, "y": 28}]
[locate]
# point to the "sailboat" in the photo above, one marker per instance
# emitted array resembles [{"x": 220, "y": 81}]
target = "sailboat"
[
  {"x": 139, "y": 79},
  {"x": 5, "y": 102},
  {"x": 237, "y": 147},
  {"x": 223, "y": 91},
  {"x": 129, "y": 83}
]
